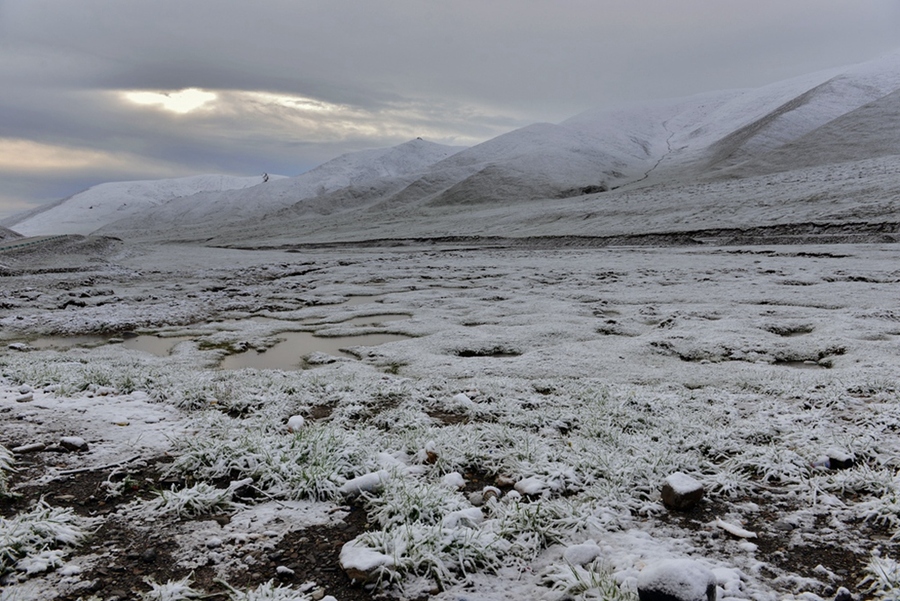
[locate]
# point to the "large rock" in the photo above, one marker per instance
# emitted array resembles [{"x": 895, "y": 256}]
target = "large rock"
[
  {"x": 676, "y": 580},
  {"x": 680, "y": 491}
]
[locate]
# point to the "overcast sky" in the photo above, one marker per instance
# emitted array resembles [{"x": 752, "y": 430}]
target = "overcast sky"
[{"x": 103, "y": 90}]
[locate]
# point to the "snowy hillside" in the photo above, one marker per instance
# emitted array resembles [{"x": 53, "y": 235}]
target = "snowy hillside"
[
  {"x": 95, "y": 207},
  {"x": 7, "y": 234},
  {"x": 665, "y": 165},
  {"x": 206, "y": 213}
]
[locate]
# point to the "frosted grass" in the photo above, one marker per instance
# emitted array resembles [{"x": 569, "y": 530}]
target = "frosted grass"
[
  {"x": 600, "y": 452},
  {"x": 37, "y": 540}
]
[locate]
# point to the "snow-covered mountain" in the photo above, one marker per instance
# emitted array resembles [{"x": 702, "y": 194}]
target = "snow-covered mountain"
[
  {"x": 736, "y": 158},
  {"x": 206, "y": 213},
  {"x": 99, "y": 205},
  {"x": 8, "y": 234}
]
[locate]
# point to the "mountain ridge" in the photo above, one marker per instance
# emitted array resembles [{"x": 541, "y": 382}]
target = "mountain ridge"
[{"x": 634, "y": 166}]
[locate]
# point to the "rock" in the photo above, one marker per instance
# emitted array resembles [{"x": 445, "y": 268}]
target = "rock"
[
  {"x": 681, "y": 492},
  {"x": 19, "y": 346},
  {"x": 284, "y": 572},
  {"x": 843, "y": 595},
  {"x": 839, "y": 460},
  {"x": 25, "y": 398},
  {"x": 676, "y": 580},
  {"x": 214, "y": 543},
  {"x": 25, "y": 389},
  {"x": 33, "y": 447},
  {"x": 73, "y": 443},
  {"x": 490, "y": 492},
  {"x": 362, "y": 564},
  {"x": 475, "y": 498},
  {"x": 295, "y": 423},
  {"x": 149, "y": 555}
]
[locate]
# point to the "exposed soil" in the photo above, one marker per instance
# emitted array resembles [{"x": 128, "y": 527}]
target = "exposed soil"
[{"x": 127, "y": 556}]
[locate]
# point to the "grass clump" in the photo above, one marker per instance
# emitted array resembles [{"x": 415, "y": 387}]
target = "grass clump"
[
  {"x": 593, "y": 581},
  {"x": 173, "y": 590},
  {"x": 36, "y": 541},
  {"x": 6, "y": 466},
  {"x": 197, "y": 500},
  {"x": 882, "y": 578}
]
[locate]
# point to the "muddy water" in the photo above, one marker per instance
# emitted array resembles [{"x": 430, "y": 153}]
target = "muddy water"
[
  {"x": 288, "y": 354},
  {"x": 155, "y": 345},
  {"x": 66, "y": 342}
]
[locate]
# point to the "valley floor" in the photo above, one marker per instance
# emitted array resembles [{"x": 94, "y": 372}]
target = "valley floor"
[{"x": 574, "y": 381}]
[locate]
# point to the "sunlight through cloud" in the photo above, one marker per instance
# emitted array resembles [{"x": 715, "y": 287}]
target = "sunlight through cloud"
[{"x": 181, "y": 102}]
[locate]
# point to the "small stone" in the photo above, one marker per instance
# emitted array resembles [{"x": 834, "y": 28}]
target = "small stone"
[
  {"x": 25, "y": 398},
  {"x": 676, "y": 580},
  {"x": 680, "y": 491},
  {"x": 214, "y": 543},
  {"x": 33, "y": 447},
  {"x": 74, "y": 443},
  {"x": 504, "y": 481},
  {"x": 149, "y": 555},
  {"x": 839, "y": 460},
  {"x": 25, "y": 389},
  {"x": 362, "y": 564},
  {"x": 295, "y": 423},
  {"x": 317, "y": 595},
  {"x": 284, "y": 572},
  {"x": 19, "y": 346},
  {"x": 490, "y": 492},
  {"x": 843, "y": 595}
]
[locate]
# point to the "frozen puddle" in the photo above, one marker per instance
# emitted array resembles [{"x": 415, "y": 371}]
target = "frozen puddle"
[{"x": 288, "y": 354}]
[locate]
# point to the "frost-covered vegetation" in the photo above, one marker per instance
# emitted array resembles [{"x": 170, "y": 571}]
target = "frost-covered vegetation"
[
  {"x": 37, "y": 540},
  {"x": 6, "y": 466},
  {"x": 476, "y": 466}
]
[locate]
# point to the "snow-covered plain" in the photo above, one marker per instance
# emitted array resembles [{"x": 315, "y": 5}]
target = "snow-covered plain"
[
  {"x": 585, "y": 377},
  {"x": 542, "y": 383}
]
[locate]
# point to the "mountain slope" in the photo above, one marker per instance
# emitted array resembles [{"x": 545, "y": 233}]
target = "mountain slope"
[
  {"x": 204, "y": 214},
  {"x": 97, "y": 206},
  {"x": 870, "y": 131},
  {"x": 8, "y": 234}
]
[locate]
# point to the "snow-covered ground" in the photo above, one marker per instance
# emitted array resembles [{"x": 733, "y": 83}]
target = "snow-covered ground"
[{"x": 573, "y": 381}]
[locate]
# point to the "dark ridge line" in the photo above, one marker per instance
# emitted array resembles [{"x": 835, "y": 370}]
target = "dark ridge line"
[{"x": 793, "y": 233}]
